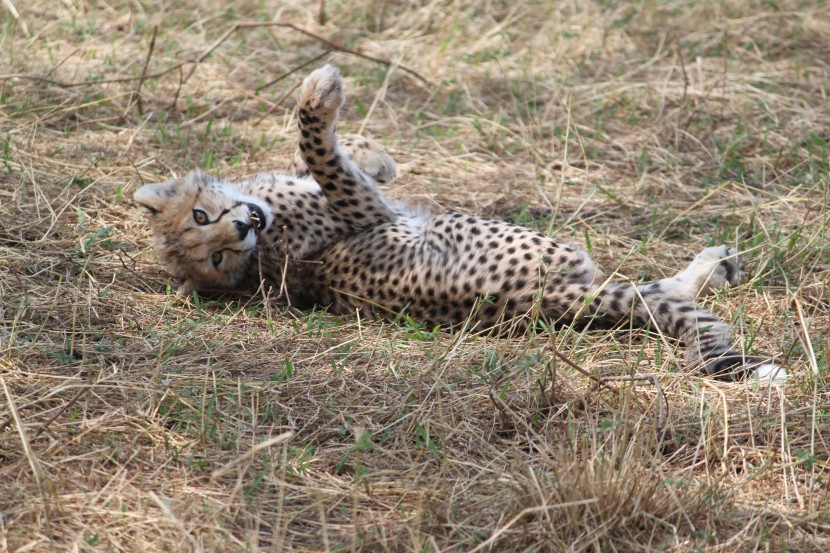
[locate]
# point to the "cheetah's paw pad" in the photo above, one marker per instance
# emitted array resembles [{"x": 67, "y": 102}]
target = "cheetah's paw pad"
[{"x": 322, "y": 91}]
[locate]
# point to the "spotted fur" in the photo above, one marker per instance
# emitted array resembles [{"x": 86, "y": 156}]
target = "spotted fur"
[{"x": 331, "y": 238}]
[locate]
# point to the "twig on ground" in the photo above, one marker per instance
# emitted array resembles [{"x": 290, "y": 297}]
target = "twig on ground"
[
  {"x": 330, "y": 44},
  {"x": 601, "y": 381},
  {"x": 571, "y": 364},
  {"x": 61, "y": 411},
  {"x": 178, "y": 89},
  {"x": 685, "y": 75},
  {"x": 283, "y": 293},
  {"x": 292, "y": 71},
  {"x": 150, "y": 49},
  {"x": 265, "y": 292},
  {"x": 62, "y": 61},
  {"x": 277, "y": 104},
  {"x": 218, "y": 42},
  {"x": 321, "y": 14}
]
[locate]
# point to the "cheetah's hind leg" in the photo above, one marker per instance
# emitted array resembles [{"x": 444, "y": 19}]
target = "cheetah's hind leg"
[{"x": 712, "y": 268}]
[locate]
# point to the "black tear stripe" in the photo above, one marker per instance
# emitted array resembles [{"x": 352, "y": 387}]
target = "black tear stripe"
[{"x": 219, "y": 218}]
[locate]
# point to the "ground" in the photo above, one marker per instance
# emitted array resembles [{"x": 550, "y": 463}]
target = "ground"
[{"x": 133, "y": 420}]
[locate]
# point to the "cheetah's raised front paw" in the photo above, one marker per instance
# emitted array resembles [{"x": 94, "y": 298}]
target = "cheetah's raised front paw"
[{"x": 321, "y": 94}]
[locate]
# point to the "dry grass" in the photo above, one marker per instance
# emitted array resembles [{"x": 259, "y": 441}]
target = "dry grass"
[{"x": 131, "y": 420}]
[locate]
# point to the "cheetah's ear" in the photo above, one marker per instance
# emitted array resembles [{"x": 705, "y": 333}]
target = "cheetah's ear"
[{"x": 155, "y": 196}]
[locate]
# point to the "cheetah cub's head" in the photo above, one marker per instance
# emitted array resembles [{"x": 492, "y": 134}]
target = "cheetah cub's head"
[{"x": 203, "y": 229}]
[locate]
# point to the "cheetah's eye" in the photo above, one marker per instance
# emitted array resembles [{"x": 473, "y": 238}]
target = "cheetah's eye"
[
  {"x": 216, "y": 258},
  {"x": 200, "y": 217}
]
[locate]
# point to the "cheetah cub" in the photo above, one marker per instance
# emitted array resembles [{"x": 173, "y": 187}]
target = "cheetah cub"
[{"x": 328, "y": 236}]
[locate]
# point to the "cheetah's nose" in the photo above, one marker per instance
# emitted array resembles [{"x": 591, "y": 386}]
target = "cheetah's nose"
[
  {"x": 242, "y": 229},
  {"x": 256, "y": 215}
]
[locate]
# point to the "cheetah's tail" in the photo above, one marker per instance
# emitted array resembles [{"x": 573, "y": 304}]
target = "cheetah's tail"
[{"x": 708, "y": 340}]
